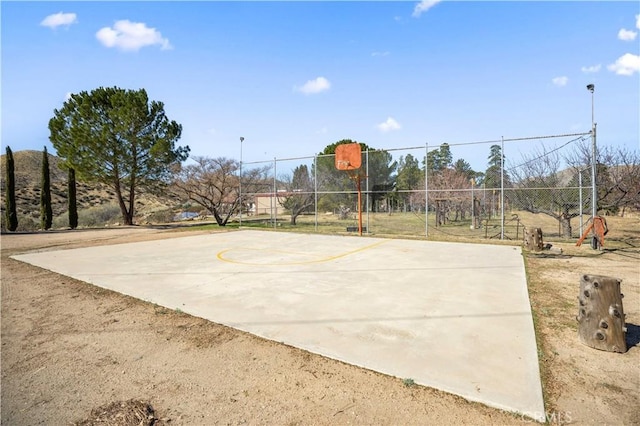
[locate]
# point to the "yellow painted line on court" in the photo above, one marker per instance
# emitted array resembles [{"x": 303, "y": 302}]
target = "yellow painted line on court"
[{"x": 221, "y": 256}]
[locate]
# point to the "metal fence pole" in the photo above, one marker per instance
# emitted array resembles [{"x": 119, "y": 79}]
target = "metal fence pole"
[
  {"x": 367, "y": 189},
  {"x": 240, "y": 182},
  {"x": 315, "y": 189},
  {"x": 594, "y": 188},
  {"x": 580, "y": 202},
  {"x": 426, "y": 191},
  {"x": 594, "y": 153},
  {"x": 502, "y": 189},
  {"x": 473, "y": 205},
  {"x": 275, "y": 194}
]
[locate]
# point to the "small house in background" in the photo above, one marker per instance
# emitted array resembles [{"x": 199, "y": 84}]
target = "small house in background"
[{"x": 267, "y": 204}]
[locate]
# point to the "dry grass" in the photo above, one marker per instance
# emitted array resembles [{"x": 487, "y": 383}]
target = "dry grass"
[
  {"x": 551, "y": 279},
  {"x": 412, "y": 225}
]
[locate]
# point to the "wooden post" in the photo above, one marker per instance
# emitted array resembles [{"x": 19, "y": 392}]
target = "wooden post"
[
  {"x": 533, "y": 239},
  {"x": 600, "y": 315}
]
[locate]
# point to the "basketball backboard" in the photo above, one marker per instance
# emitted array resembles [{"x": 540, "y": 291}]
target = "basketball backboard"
[{"x": 348, "y": 156}]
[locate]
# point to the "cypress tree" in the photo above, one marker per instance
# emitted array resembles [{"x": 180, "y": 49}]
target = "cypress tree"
[
  {"x": 10, "y": 195},
  {"x": 46, "y": 212},
  {"x": 73, "y": 204}
]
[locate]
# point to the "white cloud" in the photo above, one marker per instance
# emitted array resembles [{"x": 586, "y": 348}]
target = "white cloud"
[
  {"x": 423, "y": 6},
  {"x": 626, "y": 64},
  {"x": 131, "y": 36},
  {"x": 58, "y": 19},
  {"x": 627, "y": 35},
  {"x": 560, "y": 81},
  {"x": 389, "y": 125},
  {"x": 591, "y": 69},
  {"x": 311, "y": 87},
  {"x": 385, "y": 53},
  {"x": 638, "y": 22}
]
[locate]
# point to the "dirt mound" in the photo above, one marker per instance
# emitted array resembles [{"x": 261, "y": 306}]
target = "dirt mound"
[{"x": 123, "y": 413}]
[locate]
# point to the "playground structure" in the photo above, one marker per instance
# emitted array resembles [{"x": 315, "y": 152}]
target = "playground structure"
[{"x": 597, "y": 225}]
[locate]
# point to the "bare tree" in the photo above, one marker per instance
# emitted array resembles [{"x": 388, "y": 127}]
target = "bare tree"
[
  {"x": 450, "y": 185},
  {"x": 625, "y": 179},
  {"x": 618, "y": 175},
  {"x": 540, "y": 187},
  {"x": 214, "y": 184},
  {"x": 299, "y": 195}
]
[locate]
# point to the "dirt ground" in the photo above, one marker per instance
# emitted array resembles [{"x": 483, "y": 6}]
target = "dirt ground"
[{"x": 73, "y": 352}]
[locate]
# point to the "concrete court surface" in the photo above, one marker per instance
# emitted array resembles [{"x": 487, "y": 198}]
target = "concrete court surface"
[{"x": 451, "y": 316}]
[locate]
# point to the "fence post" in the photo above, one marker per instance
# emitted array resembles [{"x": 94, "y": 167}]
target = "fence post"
[
  {"x": 502, "y": 189},
  {"x": 426, "y": 190},
  {"x": 315, "y": 189},
  {"x": 275, "y": 194},
  {"x": 367, "y": 188},
  {"x": 594, "y": 188},
  {"x": 580, "y": 200}
]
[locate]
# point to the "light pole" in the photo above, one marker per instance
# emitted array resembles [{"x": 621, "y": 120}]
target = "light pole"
[
  {"x": 594, "y": 193},
  {"x": 580, "y": 200},
  {"x": 473, "y": 205},
  {"x": 241, "y": 140}
]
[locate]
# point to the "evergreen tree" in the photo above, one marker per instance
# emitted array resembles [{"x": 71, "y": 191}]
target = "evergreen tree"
[
  {"x": 410, "y": 178},
  {"x": 46, "y": 212},
  {"x": 120, "y": 138},
  {"x": 10, "y": 195},
  {"x": 493, "y": 173},
  {"x": 73, "y": 203},
  {"x": 439, "y": 159},
  {"x": 464, "y": 168}
]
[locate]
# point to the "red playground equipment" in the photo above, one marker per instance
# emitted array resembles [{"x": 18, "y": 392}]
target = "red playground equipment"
[{"x": 599, "y": 227}]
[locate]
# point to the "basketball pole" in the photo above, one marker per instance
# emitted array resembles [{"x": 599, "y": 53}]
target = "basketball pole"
[
  {"x": 359, "y": 204},
  {"x": 348, "y": 157}
]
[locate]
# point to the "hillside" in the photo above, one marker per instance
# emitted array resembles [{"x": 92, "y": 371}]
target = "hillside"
[{"x": 95, "y": 200}]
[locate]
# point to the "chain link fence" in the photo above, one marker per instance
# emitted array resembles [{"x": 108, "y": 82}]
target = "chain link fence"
[{"x": 431, "y": 191}]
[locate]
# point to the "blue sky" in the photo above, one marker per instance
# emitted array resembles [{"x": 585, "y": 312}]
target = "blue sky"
[{"x": 293, "y": 77}]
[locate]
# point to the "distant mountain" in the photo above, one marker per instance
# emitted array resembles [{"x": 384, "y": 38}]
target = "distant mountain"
[{"x": 28, "y": 169}]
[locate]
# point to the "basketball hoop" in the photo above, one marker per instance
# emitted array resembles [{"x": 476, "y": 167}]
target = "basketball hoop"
[{"x": 349, "y": 158}]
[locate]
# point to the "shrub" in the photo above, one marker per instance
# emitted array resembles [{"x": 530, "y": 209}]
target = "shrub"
[
  {"x": 160, "y": 216},
  {"x": 28, "y": 223},
  {"x": 99, "y": 215}
]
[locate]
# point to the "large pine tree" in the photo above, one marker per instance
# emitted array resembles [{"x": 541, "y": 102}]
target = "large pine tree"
[{"x": 120, "y": 138}]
